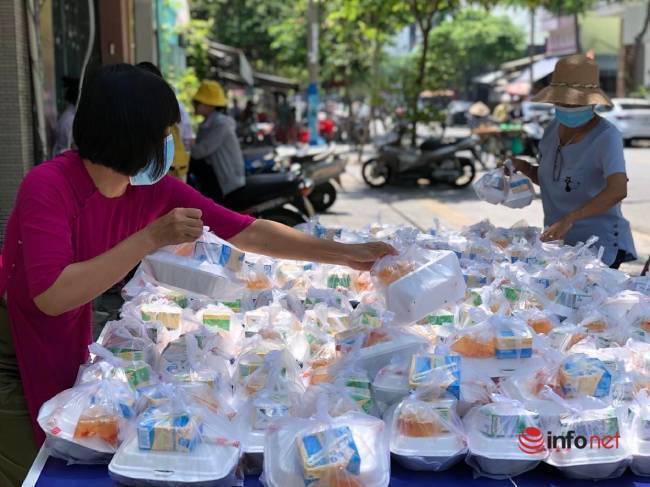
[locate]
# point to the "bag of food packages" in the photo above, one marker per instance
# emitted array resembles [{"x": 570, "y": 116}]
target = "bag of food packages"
[
  {"x": 520, "y": 189},
  {"x": 137, "y": 373},
  {"x": 337, "y": 397},
  {"x": 348, "y": 450},
  {"x": 440, "y": 372},
  {"x": 269, "y": 393},
  {"x": 391, "y": 383},
  {"x": 178, "y": 443},
  {"x": 638, "y": 434},
  {"x": 355, "y": 381},
  {"x": 194, "y": 358},
  {"x": 210, "y": 248},
  {"x": 131, "y": 339},
  {"x": 638, "y": 321},
  {"x": 426, "y": 432},
  {"x": 492, "y": 186},
  {"x": 599, "y": 448},
  {"x": 499, "y": 337},
  {"x": 85, "y": 424},
  {"x": 418, "y": 282},
  {"x": 495, "y": 432}
]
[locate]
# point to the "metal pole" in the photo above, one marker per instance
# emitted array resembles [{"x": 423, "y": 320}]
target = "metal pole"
[
  {"x": 312, "y": 65},
  {"x": 531, "y": 48}
]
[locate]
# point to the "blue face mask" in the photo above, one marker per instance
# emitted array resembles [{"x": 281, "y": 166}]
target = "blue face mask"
[
  {"x": 146, "y": 175},
  {"x": 574, "y": 117}
]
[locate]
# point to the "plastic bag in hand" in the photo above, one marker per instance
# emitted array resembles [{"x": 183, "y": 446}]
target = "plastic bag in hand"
[{"x": 492, "y": 186}]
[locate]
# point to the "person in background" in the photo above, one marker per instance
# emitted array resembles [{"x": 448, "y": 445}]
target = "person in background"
[
  {"x": 63, "y": 130},
  {"x": 216, "y": 141},
  {"x": 235, "y": 111},
  {"x": 181, "y": 162},
  {"x": 83, "y": 220},
  {"x": 581, "y": 171}
]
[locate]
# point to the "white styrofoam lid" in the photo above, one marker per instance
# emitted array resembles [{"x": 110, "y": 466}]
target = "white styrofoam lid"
[
  {"x": 586, "y": 456},
  {"x": 500, "y": 448},
  {"x": 439, "y": 446},
  {"x": 254, "y": 442},
  {"x": 206, "y": 462}
]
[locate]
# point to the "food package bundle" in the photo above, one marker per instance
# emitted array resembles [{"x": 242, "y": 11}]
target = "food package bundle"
[{"x": 456, "y": 347}]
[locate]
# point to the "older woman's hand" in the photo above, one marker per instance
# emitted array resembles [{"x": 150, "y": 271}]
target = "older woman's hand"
[{"x": 558, "y": 230}]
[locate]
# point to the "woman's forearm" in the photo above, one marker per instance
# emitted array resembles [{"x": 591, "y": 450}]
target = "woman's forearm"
[
  {"x": 81, "y": 282},
  {"x": 614, "y": 192},
  {"x": 282, "y": 242}
]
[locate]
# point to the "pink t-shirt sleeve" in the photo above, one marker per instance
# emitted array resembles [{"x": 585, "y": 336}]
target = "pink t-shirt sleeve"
[
  {"x": 222, "y": 221},
  {"x": 45, "y": 235}
]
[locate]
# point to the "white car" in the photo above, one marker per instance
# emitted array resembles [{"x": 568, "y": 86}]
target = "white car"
[{"x": 631, "y": 116}]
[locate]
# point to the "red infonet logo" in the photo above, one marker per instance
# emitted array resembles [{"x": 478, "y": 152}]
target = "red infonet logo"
[{"x": 531, "y": 440}]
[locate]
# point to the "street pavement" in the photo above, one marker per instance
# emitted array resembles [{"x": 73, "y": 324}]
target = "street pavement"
[{"x": 358, "y": 205}]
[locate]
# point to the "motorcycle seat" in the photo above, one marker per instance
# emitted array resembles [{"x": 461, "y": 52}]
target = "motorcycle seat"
[
  {"x": 263, "y": 187},
  {"x": 431, "y": 144}
]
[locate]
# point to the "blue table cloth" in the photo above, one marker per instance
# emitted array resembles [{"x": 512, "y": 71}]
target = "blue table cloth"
[{"x": 56, "y": 473}]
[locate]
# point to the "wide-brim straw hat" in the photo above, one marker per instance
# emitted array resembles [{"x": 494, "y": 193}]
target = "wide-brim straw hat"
[
  {"x": 574, "y": 82},
  {"x": 479, "y": 109}
]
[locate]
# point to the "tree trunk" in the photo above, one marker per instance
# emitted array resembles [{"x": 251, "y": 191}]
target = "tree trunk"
[
  {"x": 531, "y": 48},
  {"x": 576, "y": 28},
  {"x": 420, "y": 80},
  {"x": 635, "y": 54}
]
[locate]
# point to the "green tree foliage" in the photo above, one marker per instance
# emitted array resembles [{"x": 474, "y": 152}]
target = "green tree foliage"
[{"x": 469, "y": 42}]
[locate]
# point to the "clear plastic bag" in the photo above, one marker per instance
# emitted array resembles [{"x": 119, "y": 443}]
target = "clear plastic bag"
[
  {"x": 426, "y": 434},
  {"x": 418, "y": 282},
  {"x": 350, "y": 450},
  {"x": 492, "y": 186},
  {"x": 132, "y": 339},
  {"x": 136, "y": 373},
  {"x": 520, "y": 189},
  {"x": 178, "y": 443},
  {"x": 210, "y": 248},
  {"x": 85, "y": 424},
  {"x": 493, "y": 431}
]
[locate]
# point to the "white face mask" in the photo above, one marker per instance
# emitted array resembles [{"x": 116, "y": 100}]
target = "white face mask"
[{"x": 146, "y": 175}]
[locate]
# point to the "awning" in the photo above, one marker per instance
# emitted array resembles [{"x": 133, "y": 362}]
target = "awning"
[
  {"x": 541, "y": 69},
  {"x": 521, "y": 63},
  {"x": 488, "y": 78},
  {"x": 232, "y": 65}
]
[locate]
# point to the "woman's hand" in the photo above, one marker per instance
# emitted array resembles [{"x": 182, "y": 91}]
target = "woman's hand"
[
  {"x": 517, "y": 164},
  {"x": 558, "y": 230},
  {"x": 363, "y": 256},
  {"x": 178, "y": 226}
]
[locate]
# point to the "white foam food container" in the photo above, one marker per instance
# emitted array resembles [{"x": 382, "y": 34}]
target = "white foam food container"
[
  {"x": 206, "y": 465},
  {"x": 379, "y": 355},
  {"x": 640, "y": 451},
  {"x": 590, "y": 463},
  {"x": 436, "y": 284},
  {"x": 428, "y": 454},
  {"x": 477, "y": 368},
  {"x": 390, "y": 387},
  {"x": 188, "y": 274},
  {"x": 500, "y": 457}
]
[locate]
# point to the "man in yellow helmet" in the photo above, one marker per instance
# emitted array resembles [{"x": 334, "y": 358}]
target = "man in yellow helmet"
[{"x": 216, "y": 141}]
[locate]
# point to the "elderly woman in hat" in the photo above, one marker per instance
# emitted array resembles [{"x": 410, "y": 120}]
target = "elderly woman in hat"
[{"x": 581, "y": 171}]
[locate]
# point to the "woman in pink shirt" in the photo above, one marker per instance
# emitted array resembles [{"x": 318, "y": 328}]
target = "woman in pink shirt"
[{"x": 87, "y": 217}]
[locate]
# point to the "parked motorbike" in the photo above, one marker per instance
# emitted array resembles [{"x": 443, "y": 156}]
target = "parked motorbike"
[
  {"x": 322, "y": 165},
  {"x": 435, "y": 159},
  {"x": 281, "y": 197}
]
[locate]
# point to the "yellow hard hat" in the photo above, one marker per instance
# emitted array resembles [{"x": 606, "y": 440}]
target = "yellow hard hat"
[{"x": 211, "y": 93}]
